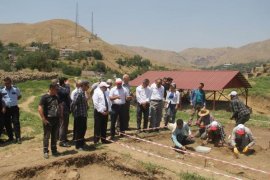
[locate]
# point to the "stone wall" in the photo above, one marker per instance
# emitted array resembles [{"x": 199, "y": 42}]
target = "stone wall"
[{"x": 22, "y": 76}]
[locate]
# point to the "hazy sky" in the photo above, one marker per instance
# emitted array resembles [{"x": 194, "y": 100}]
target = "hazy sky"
[{"x": 160, "y": 24}]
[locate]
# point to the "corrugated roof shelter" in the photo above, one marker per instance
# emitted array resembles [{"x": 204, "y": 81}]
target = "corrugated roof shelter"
[{"x": 215, "y": 81}]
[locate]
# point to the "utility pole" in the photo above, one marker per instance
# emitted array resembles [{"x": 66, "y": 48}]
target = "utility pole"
[
  {"x": 92, "y": 23},
  {"x": 51, "y": 35},
  {"x": 77, "y": 19}
]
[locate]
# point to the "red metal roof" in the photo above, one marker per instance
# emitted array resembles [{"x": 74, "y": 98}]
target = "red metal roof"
[{"x": 213, "y": 80}]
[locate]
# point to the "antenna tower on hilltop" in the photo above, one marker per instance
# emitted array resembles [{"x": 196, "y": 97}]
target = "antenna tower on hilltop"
[
  {"x": 77, "y": 20},
  {"x": 92, "y": 23}
]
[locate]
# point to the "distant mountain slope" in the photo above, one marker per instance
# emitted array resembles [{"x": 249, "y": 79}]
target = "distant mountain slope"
[
  {"x": 202, "y": 57},
  {"x": 169, "y": 59}
]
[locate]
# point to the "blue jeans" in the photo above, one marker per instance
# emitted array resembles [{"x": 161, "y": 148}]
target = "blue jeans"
[{"x": 170, "y": 114}]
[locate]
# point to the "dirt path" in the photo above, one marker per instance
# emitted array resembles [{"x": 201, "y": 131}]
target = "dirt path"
[{"x": 25, "y": 105}]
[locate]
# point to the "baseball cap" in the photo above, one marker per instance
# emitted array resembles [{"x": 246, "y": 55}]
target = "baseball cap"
[
  {"x": 109, "y": 81},
  {"x": 214, "y": 126},
  {"x": 240, "y": 129},
  {"x": 118, "y": 81},
  {"x": 103, "y": 84},
  {"x": 233, "y": 93}
]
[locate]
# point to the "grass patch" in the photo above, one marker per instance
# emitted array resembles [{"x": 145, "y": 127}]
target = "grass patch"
[
  {"x": 32, "y": 121},
  {"x": 191, "y": 176},
  {"x": 151, "y": 168},
  {"x": 33, "y": 88},
  {"x": 260, "y": 86}
]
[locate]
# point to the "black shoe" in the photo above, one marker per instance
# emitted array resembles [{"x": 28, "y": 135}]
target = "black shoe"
[
  {"x": 9, "y": 140},
  {"x": 106, "y": 142},
  {"x": 64, "y": 144},
  {"x": 55, "y": 154}
]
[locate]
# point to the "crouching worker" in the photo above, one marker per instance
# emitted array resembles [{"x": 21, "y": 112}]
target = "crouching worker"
[
  {"x": 181, "y": 135},
  {"x": 49, "y": 110},
  {"x": 242, "y": 139},
  {"x": 215, "y": 134},
  {"x": 204, "y": 120}
]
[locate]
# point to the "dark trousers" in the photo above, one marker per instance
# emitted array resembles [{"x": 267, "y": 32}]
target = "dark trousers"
[
  {"x": 63, "y": 129},
  {"x": 1, "y": 123},
  {"x": 80, "y": 123},
  {"x": 117, "y": 111},
  {"x": 100, "y": 126},
  {"x": 50, "y": 130},
  {"x": 127, "y": 117},
  {"x": 142, "y": 111},
  {"x": 170, "y": 114},
  {"x": 12, "y": 117},
  {"x": 184, "y": 140},
  {"x": 74, "y": 129},
  {"x": 242, "y": 119}
]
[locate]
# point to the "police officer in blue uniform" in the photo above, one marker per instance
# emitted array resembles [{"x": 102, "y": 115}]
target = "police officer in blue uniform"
[{"x": 11, "y": 95}]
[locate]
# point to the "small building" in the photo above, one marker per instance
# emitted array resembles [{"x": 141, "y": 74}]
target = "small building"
[
  {"x": 31, "y": 49},
  {"x": 66, "y": 52}
]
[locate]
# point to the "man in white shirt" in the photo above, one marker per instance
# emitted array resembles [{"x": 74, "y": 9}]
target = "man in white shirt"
[
  {"x": 127, "y": 104},
  {"x": 156, "y": 103},
  {"x": 101, "y": 112},
  {"x": 78, "y": 85},
  {"x": 118, "y": 96},
  {"x": 143, "y": 94}
]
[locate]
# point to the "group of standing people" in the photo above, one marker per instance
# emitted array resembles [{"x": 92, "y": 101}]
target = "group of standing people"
[{"x": 113, "y": 102}]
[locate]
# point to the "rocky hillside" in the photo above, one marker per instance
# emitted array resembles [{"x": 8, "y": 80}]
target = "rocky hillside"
[
  {"x": 201, "y": 57},
  {"x": 61, "y": 34}
]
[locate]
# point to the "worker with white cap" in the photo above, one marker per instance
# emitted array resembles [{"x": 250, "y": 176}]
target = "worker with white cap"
[
  {"x": 118, "y": 96},
  {"x": 242, "y": 139},
  {"x": 215, "y": 133},
  {"x": 241, "y": 113}
]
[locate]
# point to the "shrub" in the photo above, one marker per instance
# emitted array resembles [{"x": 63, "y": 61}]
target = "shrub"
[
  {"x": 34, "y": 60},
  {"x": 97, "y": 55},
  {"x": 72, "y": 71},
  {"x": 99, "y": 67}
]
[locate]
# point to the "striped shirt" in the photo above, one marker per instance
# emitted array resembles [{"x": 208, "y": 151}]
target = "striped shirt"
[
  {"x": 238, "y": 108},
  {"x": 80, "y": 103}
]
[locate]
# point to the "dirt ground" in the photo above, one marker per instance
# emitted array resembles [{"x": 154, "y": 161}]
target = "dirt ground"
[
  {"x": 117, "y": 162},
  {"x": 26, "y": 160}
]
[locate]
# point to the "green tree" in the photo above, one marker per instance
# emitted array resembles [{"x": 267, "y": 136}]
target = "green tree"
[
  {"x": 99, "y": 67},
  {"x": 1, "y": 46},
  {"x": 97, "y": 55},
  {"x": 34, "y": 60},
  {"x": 52, "y": 54}
]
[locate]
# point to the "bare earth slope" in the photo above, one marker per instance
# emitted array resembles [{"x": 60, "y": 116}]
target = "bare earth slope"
[
  {"x": 61, "y": 34},
  {"x": 202, "y": 57}
]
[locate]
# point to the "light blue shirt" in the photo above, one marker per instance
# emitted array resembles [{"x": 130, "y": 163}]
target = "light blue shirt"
[
  {"x": 11, "y": 96},
  {"x": 180, "y": 133}
]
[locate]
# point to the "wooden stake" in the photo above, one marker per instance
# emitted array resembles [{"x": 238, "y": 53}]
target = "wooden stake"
[{"x": 205, "y": 162}]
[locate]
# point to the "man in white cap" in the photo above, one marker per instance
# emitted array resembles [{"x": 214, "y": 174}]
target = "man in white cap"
[
  {"x": 101, "y": 112},
  {"x": 181, "y": 135},
  {"x": 241, "y": 113},
  {"x": 118, "y": 96},
  {"x": 242, "y": 139},
  {"x": 215, "y": 134}
]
